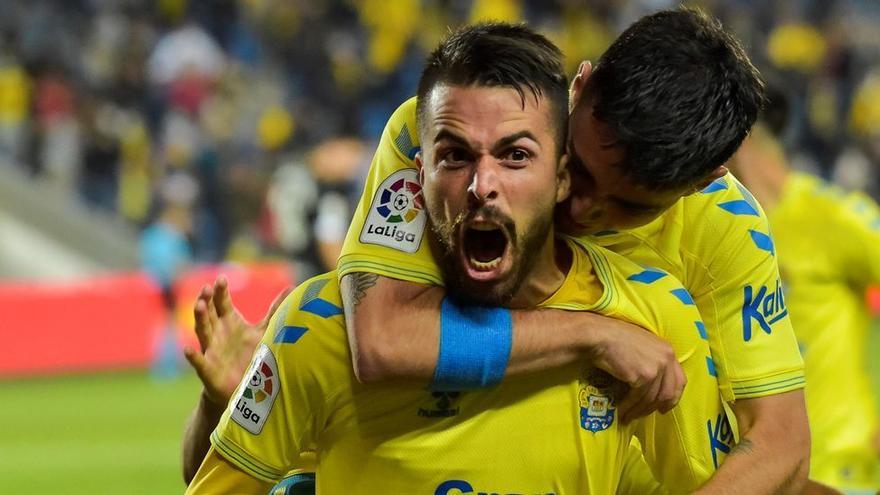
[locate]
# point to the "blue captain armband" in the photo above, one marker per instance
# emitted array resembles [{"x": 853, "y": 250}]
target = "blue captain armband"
[{"x": 474, "y": 346}]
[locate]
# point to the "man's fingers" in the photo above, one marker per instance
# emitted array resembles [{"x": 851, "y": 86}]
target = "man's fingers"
[
  {"x": 203, "y": 324},
  {"x": 200, "y": 364},
  {"x": 222, "y": 298},
  {"x": 635, "y": 394},
  {"x": 212, "y": 312},
  {"x": 647, "y": 403},
  {"x": 196, "y": 359},
  {"x": 672, "y": 391}
]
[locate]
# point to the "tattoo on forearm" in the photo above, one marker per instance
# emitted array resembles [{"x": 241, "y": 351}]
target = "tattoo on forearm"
[
  {"x": 744, "y": 446},
  {"x": 360, "y": 282}
]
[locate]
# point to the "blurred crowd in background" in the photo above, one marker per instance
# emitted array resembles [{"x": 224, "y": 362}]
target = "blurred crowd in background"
[{"x": 242, "y": 129}]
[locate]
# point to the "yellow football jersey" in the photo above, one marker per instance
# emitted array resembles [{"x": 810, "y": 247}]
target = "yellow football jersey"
[
  {"x": 550, "y": 433},
  {"x": 717, "y": 242},
  {"x": 829, "y": 251}
]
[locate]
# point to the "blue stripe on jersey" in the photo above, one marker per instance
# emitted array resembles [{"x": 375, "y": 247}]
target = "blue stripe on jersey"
[
  {"x": 711, "y": 365},
  {"x": 290, "y": 334},
  {"x": 312, "y": 291},
  {"x": 322, "y": 308},
  {"x": 404, "y": 143},
  {"x": 738, "y": 207},
  {"x": 683, "y": 295},
  {"x": 701, "y": 327},
  {"x": 763, "y": 241},
  {"x": 747, "y": 195},
  {"x": 715, "y": 186},
  {"x": 647, "y": 276}
]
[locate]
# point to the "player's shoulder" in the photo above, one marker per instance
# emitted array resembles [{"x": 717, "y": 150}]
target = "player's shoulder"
[
  {"x": 402, "y": 131},
  {"x": 830, "y": 203},
  {"x": 725, "y": 201},
  {"x": 725, "y": 220},
  {"x": 310, "y": 320},
  {"x": 639, "y": 287},
  {"x": 321, "y": 290}
]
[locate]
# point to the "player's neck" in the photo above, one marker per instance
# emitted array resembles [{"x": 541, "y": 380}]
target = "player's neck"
[
  {"x": 550, "y": 268},
  {"x": 763, "y": 168}
]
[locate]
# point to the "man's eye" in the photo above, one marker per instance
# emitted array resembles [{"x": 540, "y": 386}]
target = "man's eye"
[
  {"x": 519, "y": 155},
  {"x": 455, "y": 156}
]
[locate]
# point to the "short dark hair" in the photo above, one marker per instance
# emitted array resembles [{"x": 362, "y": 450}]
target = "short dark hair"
[
  {"x": 680, "y": 95},
  {"x": 498, "y": 54}
]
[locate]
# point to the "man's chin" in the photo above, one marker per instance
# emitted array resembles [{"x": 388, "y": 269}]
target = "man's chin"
[{"x": 495, "y": 292}]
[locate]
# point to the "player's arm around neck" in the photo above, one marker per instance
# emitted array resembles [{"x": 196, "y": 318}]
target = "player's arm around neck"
[
  {"x": 773, "y": 454},
  {"x": 394, "y": 331}
]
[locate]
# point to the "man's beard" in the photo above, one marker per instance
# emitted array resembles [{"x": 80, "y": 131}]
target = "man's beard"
[{"x": 524, "y": 249}]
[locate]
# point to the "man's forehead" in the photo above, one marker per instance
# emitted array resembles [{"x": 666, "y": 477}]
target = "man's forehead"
[
  {"x": 475, "y": 99},
  {"x": 490, "y": 110}
]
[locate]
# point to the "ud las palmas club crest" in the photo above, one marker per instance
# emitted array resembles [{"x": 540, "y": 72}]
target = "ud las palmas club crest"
[{"x": 597, "y": 400}]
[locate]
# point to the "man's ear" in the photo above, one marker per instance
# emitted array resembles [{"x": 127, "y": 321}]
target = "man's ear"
[
  {"x": 563, "y": 180},
  {"x": 578, "y": 83},
  {"x": 420, "y": 166},
  {"x": 714, "y": 175}
]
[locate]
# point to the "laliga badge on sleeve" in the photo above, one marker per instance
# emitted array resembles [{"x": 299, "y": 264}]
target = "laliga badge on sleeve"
[
  {"x": 397, "y": 218},
  {"x": 252, "y": 403}
]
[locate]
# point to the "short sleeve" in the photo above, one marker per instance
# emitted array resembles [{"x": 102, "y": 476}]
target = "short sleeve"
[{"x": 387, "y": 235}]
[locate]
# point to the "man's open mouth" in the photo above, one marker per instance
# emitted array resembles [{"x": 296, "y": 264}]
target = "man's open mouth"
[{"x": 485, "y": 246}]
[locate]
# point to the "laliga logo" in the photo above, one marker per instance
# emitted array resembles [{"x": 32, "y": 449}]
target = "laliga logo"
[
  {"x": 259, "y": 388},
  {"x": 261, "y": 381},
  {"x": 401, "y": 202}
]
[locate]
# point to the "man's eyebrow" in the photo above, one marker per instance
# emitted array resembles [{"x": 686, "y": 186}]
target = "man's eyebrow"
[
  {"x": 512, "y": 138},
  {"x": 451, "y": 136}
]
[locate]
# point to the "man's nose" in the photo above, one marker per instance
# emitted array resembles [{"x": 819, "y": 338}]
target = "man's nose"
[{"x": 484, "y": 183}]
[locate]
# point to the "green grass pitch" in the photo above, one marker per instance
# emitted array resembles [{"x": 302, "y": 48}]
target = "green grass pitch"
[{"x": 113, "y": 433}]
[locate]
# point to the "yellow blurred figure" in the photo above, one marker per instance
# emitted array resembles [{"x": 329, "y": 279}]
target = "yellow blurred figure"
[
  {"x": 15, "y": 95},
  {"x": 865, "y": 112},
  {"x": 134, "y": 180},
  {"x": 15, "y": 102},
  {"x": 828, "y": 244},
  {"x": 173, "y": 10},
  {"x": 275, "y": 128},
  {"x": 582, "y": 37},
  {"x": 391, "y": 27},
  {"x": 496, "y": 10},
  {"x": 796, "y": 46}
]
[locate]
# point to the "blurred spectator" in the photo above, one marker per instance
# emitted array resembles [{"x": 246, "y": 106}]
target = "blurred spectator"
[
  {"x": 58, "y": 129},
  {"x": 165, "y": 253},
  {"x": 15, "y": 95},
  {"x": 165, "y": 249}
]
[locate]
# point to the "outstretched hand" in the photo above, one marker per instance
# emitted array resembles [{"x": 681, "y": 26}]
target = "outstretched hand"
[{"x": 226, "y": 339}]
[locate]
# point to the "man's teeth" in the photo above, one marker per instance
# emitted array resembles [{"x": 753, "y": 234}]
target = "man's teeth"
[
  {"x": 484, "y": 227},
  {"x": 485, "y": 265}
]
